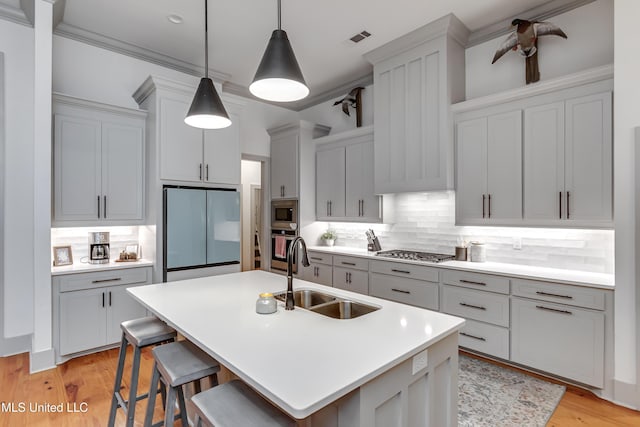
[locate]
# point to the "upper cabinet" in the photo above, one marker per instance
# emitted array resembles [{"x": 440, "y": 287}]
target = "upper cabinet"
[
  {"x": 538, "y": 156},
  {"x": 284, "y": 165},
  {"x": 98, "y": 163},
  {"x": 416, "y": 78},
  {"x": 184, "y": 153},
  {"x": 345, "y": 177}
]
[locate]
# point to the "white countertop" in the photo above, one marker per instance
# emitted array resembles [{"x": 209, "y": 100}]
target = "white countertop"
[
  {"x": 571, "y": 277},
  {"x": 300, "y": 360},
  {"x": 82, "y": 267}
]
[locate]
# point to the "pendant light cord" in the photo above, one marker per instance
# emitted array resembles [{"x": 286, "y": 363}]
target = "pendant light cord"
[
  {"x": 206, "y": 40},
  {"x": 279, "y": 16}
]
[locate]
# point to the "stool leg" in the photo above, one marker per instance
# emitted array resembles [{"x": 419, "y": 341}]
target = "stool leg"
[
  {"x": 118, "y": 381},
  {"x": 170, "y": 406},
  {"x": 135, "y": 369},
  {"x": 163, "y": 393},
  {"x": 153, "y": 391},
  {"x": 214, "y": 380},
  {"x": 183, "y": 408}
]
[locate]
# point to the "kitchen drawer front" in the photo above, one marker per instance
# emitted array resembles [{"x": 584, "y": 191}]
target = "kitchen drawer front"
[
  {"x": 351, "y": 280},
  {"x": 320, "y": 258},
  {"x": 351, "y": 262},
  {"x": 558, "y": 339},
  {"x": 408, "y": 291},
  {"x": 483, "y": 306},
  {"x": 485, "y": 338},
  {"x": 411, "y": 271},
  {"x": 126, "y": 276},
  {"x": 562, "y": 294},
  {"x": 484, "y": 282}
]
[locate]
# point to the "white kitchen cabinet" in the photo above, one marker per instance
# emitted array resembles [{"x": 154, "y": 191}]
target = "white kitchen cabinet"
[
  {"x": 320, "y": 269},
  {"x": 416, "y": 78},
  {"x": 351, "y": 273},
  {"x": 408, "y": 291},
  {"x": 345, "y": 178},
  {"x": 489, "y": 169},
  {"x": 284, "y": 167},
  {"x": 98, "y": 167},
  {"x": 88, "y": 309},
  {"x": 568, "y": 161}
]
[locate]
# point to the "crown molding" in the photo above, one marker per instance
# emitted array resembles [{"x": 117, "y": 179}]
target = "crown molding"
[
  {"x": 62, "y": 99},
  {"x": 14, "y": 14},
  {"x": 540, "y": 13},
  {"x": 318, "y": 130},
  {"x": 330, "y": 94}
]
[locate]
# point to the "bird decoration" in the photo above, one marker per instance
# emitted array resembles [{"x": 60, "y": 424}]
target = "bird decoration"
[
  {"x": 525, "y": 40},
  {"x": 354, "y": 100}
]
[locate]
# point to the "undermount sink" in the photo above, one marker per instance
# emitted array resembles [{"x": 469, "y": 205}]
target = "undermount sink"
[{"x": 328, "y": 305}]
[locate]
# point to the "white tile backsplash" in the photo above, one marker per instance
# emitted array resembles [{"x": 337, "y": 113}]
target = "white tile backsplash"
[
  {"x": 426, "y": 221},
  {"x": 78, "y": 238}
]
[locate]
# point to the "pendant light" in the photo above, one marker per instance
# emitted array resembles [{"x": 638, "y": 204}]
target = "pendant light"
[
  {"x": 279, "y": 77},
  {"x": 207, "y": 110}
]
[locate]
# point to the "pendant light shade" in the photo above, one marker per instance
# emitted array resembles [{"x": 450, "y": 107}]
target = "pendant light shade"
[
  {"x": 207, "y": 110},
  {"x": 279, "y": 77}
]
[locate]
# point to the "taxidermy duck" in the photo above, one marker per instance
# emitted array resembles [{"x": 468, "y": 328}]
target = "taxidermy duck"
[
  {"x": 525, "y": 40},
  {"x": 352, "y": 99}
]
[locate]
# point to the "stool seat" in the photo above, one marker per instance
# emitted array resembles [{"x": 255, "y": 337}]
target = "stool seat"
[
  {"x": 147, "y": 331},
  {"x": 183, "y": 362},
  {"x": 235, "y": 404}
]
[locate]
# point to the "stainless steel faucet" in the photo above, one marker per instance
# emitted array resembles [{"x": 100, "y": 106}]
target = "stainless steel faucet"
[{"x": 289, "y": 301}]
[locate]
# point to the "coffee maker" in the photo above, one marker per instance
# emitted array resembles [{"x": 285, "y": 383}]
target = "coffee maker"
[{"x": 99, "y": 247}]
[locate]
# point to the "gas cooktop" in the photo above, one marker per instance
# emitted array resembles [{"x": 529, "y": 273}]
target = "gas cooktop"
[{"x": 415, "y": 255}]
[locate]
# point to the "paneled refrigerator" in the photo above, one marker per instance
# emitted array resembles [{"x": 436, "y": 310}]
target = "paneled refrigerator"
[{"x": 201, "y": 232}]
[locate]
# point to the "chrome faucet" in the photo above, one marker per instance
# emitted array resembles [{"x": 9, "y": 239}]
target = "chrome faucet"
[{"x": 289, "y": 301}]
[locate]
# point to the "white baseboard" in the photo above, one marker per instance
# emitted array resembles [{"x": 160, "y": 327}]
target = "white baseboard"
[
  {"x": 626, "y": 394},
  {"x": 17, "y": 345},
  {"x": 41, "y": 360}
]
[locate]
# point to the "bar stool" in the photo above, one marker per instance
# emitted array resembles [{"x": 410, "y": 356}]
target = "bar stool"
[
  {"x": 139, "y": 333},
  {"x": 235, "y": 404},
  {"x": 175, "y": 365}
]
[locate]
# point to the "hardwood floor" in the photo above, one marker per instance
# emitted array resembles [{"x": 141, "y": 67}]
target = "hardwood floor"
[{"x": 86, "y": 383}]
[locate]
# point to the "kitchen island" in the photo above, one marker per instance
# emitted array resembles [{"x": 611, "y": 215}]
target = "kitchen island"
[{"x": 396, "y": 366}]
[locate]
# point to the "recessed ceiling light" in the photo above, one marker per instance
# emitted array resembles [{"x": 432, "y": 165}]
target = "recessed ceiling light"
[{"x": 176, "y": 19}]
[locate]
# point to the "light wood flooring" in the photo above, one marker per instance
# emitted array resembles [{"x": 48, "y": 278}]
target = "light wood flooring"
[{"x": 89, "y": 380}]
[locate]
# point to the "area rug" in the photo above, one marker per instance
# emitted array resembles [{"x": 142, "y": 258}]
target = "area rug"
[{"x": 492, "y": 396}]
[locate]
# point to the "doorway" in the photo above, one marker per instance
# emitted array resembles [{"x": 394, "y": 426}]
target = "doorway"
[{"x": 252, "y": 213}]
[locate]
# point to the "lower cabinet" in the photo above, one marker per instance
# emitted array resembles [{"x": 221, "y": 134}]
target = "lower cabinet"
[
  {"x": 320, "y": 269},
  {"x": 408, "y": 291},
  {"x": 351, "y": 273},
  {"x": 485, "y": 338},
  {"x": 89, "y": 307}
]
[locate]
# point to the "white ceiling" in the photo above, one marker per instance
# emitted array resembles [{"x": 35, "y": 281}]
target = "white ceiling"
[{"x": 239, "y": 29}]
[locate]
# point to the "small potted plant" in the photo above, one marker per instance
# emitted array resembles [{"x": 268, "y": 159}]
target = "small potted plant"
[{"x": 329, "y": 237}]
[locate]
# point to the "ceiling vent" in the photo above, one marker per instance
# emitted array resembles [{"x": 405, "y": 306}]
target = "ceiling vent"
[{"x": 360, "y": 36}]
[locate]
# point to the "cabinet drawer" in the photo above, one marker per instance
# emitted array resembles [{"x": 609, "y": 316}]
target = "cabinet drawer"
[
  {"x": 320, "y": 258},
  {"x": 476, "y": 305},
  {"x": 412, "y": 271},
  {"x": 485, "y": 282},
  {"x": 351, "y": 280},
  {"x": 128, "y": 276},
  {"x": 558, "y": 339},
  {"x": 485, "y": 338},
  {"x": 351, "y": 262},
  {"x": 408, "y": 291},
  {"x": 563, "y": 294}
]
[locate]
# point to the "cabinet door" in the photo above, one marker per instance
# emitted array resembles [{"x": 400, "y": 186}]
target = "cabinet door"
[
  {"x": 471, "y": 170},
  {"x": 284, "y": 167},
  {"x": 222, "y": 154},
  {"x": 330, "y": 183},
  {"x": 122, "y": 171},
  {"x": 544, "y": 161},
  {"x": 180, "y": 144},
  {"x": 361, "y": 202},
  {"x": 120, "y": 307},
  {"x": 588, "y": 158},
  {"x": 504, "y": 166},
  {"x": 317, "y": 273},
  {"x": 76, "y": 168},
  {"x": 351, "y": 280},
  {"x": 561, "y": 340},
  {"x": 82, "y": 320}
]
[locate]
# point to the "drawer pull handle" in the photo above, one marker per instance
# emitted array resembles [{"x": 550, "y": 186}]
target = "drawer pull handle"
[
  {"x": 546, "y": 294},
  {"x": 401, "y": 291},
  {"x": 315, "y": 258},
  {"x": 472, "y": 336},
  {"x": 117, "y": 279},
  {"x": 477, "y": 307},
  {"x": 541, "y": 307},
  {"x": 400, "y": 271},
  {"x": 348, "y": 263},
  {"x": 471, "y": 282}
]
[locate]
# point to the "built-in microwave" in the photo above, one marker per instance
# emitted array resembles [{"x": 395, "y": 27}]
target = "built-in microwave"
[{"x": 284, "y": 214}]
